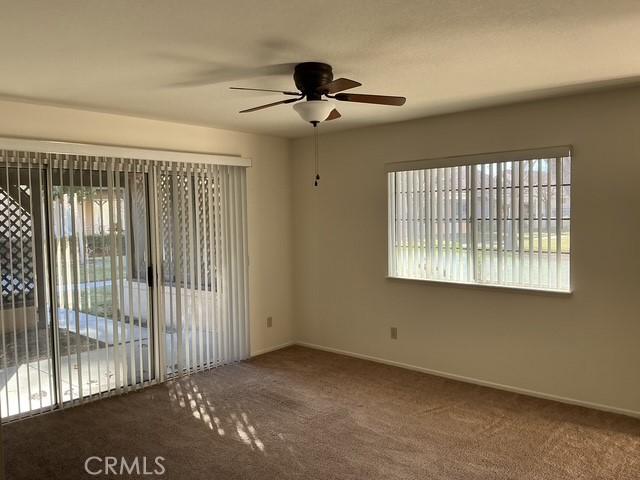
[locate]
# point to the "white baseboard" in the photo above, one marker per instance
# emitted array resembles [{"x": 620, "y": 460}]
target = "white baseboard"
[
  {"x": 271, "y": 349},
  {"x": 484, "y": 383}
]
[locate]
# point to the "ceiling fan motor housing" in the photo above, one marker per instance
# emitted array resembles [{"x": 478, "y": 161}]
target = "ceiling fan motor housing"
[{"x": 309, "y": 76}]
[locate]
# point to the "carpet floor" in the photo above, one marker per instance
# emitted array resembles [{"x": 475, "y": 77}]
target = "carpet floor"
[{"x": 304, "y": 414}]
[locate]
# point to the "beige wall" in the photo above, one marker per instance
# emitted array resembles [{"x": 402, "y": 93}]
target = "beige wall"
[
  {"x": 268, "y": 181},
  {"x": 584, "y": 347}
]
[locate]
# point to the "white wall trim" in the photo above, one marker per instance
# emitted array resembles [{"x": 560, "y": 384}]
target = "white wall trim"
[
  {"x": 475, "y": 381},
  {"x": 271, "y": 349},
  {"x": 95, "y": 150}
]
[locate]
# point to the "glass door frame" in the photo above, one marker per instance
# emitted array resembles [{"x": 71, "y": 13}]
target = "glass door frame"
[
  {"x": 70, "y": 173},
  {"x": 119, "y": 179}
]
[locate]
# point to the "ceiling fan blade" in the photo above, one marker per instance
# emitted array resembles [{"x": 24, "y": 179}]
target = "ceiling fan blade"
[
  {"x": 265, "y": 90},
  {"x": 208, "y": 72},
  {"x": 338, "y": 85},
  {"x": 289, "y": 100},
  {"x": 333, "y": 115},
  {"x": 364, "y": 98}
]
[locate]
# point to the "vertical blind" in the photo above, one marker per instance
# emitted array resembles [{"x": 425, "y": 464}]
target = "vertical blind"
[
  {"x": 25, "y": 351},
  {"x": 101, "y": 304},
  {"x": 504, "y": 222},
  {"x": 203, "y": 253},
  {"x": 116, "y": 273}
]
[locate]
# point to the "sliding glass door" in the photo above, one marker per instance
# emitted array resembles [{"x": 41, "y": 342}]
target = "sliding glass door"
[
  {"x": 116, "y": 273},
  {"x": 75, "y": 310},
  {"x": 203, "y": 260},
  {"x": 100, "y": 252}
]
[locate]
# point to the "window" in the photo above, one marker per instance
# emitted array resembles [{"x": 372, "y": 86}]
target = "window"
[{"x": 496, "y": 219}]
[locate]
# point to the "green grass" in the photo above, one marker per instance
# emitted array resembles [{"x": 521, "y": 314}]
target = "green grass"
[
  {"x": 565, "y": 245},
  {"x": 102, "y": 267}
]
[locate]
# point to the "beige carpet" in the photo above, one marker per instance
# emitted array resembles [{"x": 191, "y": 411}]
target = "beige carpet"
[{"x": 304, "y": 414}]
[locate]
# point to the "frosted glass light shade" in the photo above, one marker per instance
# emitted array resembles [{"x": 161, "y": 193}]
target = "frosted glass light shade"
[{"x": 314, "y": 110}]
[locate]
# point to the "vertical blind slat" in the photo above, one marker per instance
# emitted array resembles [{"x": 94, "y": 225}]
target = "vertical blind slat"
[
  {"x": 127, "y": 228},
  {"x": 6, "y": 411},
  {"x": 93, "y": 296},
  {"x": 13, "y": 304},
  {"x": 521, "y": 219},
  {"x": 559, "y": 215},
  {"x": 109, "y": 353},
  {"x": 23, "y": 289},
  {"x": 512, "y": 218},
  {"x": 392, "y": 213},
  {"x": 460, "y": 267},
  {"x": 539, "y": 217},
  {"x": 472, "y": 222},
  {"x": 410, "y": 225},
  {"x": 112, "y": 265},
  {"x": 548, "y": 218},
  {"x": 497, "y": 251},
  {"x": 483, "y": 214},
  {"x": 41, "y": 298},
  {"x": 120, "y": 254}
]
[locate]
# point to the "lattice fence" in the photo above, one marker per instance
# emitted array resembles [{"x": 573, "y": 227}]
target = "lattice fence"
[
  {"x": 16, "y": 248},
  {"x": 139, "y": 225},
  {"x": 194, "y": 189},
  {"x": 166, "y": 222}
]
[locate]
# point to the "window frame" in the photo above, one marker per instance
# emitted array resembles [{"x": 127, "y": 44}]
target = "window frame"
[{"x": 563, "y": 151}]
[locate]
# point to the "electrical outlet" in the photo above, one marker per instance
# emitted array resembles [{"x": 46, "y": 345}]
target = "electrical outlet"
[
  {"x": 394, "y": 333},
  {"x": 269, "y": 322}
]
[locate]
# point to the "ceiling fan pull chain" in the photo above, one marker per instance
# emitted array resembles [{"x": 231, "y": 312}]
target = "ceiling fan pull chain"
[{"x": 317, "y": 160}]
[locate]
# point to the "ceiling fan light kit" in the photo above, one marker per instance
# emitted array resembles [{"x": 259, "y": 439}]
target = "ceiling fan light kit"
[
  {"x": 314, "y": 111},
  {"x": 314, "y": 80}
]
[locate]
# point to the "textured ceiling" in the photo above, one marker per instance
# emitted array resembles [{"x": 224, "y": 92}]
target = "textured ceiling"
[{"x": 152, "y": 58}]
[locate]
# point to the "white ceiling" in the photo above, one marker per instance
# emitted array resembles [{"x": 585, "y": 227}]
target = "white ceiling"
[{"x": 147, "y": 57}]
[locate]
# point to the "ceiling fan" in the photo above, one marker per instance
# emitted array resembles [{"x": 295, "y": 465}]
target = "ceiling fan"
[{"x": 314, "y": 80}]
